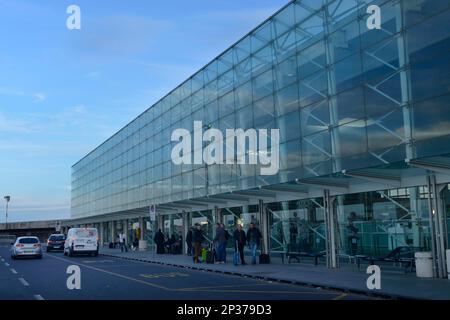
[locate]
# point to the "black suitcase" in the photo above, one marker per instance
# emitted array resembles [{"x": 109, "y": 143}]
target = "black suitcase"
[
  {"x": 264, "y": 258},
  {"x": 210, "y": 255},
  {"x": 111, "y": 245}
]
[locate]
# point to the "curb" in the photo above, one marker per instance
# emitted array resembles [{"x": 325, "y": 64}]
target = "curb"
[{"x": 265, "y": 278}]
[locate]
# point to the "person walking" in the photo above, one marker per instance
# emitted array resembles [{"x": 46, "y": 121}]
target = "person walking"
[
  {"x": 122, "y": 242},
  {"x": 159, "y": 240},
  {"x": 240, "y": 240},
  {"x": 227, "y": 237},
  {"x": 197, "y": 239},
  {"x": 253, "y": 240},
  {"x": 221, "y": 241},
  {"x": 189, "y": 242}
]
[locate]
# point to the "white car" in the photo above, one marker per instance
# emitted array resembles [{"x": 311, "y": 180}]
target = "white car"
[
  {"x": 26, "y": 247},
  {"x": 81, "y": 240}
]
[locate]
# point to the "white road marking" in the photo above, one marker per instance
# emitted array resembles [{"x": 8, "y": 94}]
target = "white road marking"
[
  {"x": 22, "y": 280},
  {"x": 7, "y": 264},
  {"x": 38, "y": 297},
  {"x": 13, "y": 271}
]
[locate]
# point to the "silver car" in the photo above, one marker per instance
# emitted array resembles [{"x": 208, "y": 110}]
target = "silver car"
[{"x": 26, "y": 247}]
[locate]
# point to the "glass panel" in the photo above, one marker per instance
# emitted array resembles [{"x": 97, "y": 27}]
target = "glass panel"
[
  {"x": 313, "y": 89},
  {"x": 376, "y": 225},
  {"x": 432, "y": 118},
  {"x": 285, "y": 73},
  {"x": 415, "y": 11},
  {"x": 262, "y": 60},
  {"x": 316, "y": 147},
  {"x": 243, "y": 95},
  {"x": 287, "y": 99},
  {"x": 350, "y": 105},
  {"x": 430, "y": 38},
  {"x": 226, "y": 104},
  {"x": 315, "y": 117},
  {"x": 244, "y": 118},
  {"x": 264, "y": 110},
  {"x": 289, "y": 126},
  {"x": 436, "y": 73},
  {"x": 243, "y": 72},
  {"x": 297, "y": 226},
  {"x": 225, "y": 82},
  {"x": 353, "y": 138},
  {"x": 283, "y": 21},
  {"x": 386, "y": 131},
  {"x": 311, "y": 60},
  {"x": 261, "y": 37},
  {"x": 347, "y": 73},
  {"x": 263, "y": 85},
  {"x": 242, "y": 50}
]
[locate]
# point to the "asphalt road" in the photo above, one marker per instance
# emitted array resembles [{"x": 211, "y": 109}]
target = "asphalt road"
[{"x": 106, "y": 278}]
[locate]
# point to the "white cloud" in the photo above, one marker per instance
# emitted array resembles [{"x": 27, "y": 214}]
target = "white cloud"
[
  {"x": 37, "y": 96},
  {"x": 14, "y": 126}
]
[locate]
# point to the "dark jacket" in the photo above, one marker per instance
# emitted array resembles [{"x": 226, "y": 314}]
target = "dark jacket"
[
  {"x": 197, "y": 236},
  {"x": 254, "y": 235},
  {"x": 220, "y": 235},
  {"x": 240, "y": 237},
  {"x": 159, "y": 238},
  {"x": 189, "y": 237}
]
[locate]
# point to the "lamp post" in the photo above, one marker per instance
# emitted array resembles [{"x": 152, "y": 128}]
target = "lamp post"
[{"x": 7, "y": 198}]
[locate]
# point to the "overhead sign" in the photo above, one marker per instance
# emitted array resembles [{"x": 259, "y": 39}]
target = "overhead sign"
[{"x": 152, "y": 212}]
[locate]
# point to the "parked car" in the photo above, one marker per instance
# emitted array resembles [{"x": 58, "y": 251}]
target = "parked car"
[
  {"x": 56, "y": 242},
  {"x": 81, "y": 240},
  {"x": 26, "y": 247}
]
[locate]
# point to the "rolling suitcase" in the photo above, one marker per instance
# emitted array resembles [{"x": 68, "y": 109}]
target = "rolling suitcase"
[
  {"x": 236, "y": 255},
  {"x": 210, "y": 255}
]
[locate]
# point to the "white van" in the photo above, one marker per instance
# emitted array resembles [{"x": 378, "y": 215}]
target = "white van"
[{"x": 81, "y": 240}]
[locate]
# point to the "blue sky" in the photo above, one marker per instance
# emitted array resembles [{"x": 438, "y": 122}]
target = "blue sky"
[{"x": 63, "y": 92}]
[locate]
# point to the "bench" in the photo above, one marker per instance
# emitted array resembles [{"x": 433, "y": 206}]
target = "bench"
[
  {"x": 294, "y": 252},
  {"x": 403, "y": 255}
]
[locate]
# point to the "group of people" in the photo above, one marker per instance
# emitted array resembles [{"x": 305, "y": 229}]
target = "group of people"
[
  {"x": 170, "y": 245},
  {"x": 195, "y": 238},
  {"x": 121, "y": 242}
]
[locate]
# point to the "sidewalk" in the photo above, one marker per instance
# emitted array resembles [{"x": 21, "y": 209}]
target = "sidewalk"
[{"x": 394, "y": 284}]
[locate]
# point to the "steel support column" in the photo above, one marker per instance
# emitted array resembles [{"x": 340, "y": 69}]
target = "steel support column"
[
  {"x": 101, "y": 235},
  {"x": 186, "y": 226},
  {"x": 331, "y": 226},
  {"x": 264, "y": 227}
]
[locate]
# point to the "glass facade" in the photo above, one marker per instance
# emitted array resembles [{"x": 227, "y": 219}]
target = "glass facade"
[{"x": 342, "y": 96}]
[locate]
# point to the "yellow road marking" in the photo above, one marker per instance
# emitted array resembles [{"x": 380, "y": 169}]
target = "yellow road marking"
[
  {"x": 164, "y": 275},
  {"x": 341, "y": 296}
]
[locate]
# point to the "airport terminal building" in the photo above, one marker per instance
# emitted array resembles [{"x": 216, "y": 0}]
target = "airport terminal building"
[{"x": 363, "y": 116}]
